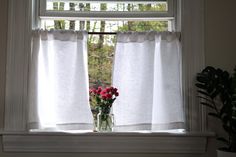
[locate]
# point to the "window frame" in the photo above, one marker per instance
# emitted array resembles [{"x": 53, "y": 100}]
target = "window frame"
[
  {"x": 18, "y": 50},
  {"x": 109, "y": 16}
]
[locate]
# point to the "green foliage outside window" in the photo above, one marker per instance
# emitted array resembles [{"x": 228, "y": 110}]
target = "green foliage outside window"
[{"x": 101, "y": 47}]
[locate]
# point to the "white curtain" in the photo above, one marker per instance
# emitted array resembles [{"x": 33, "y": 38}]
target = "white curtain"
[
  {"x": 147, "y": 72},
  {"x": 58, "y": 88}
]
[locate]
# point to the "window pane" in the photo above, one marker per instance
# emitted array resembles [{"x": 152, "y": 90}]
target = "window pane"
[
  {"x": 160, "y": 6},
  {"x": 100, "y": 59},
  {"x": 109, "y": 26}
]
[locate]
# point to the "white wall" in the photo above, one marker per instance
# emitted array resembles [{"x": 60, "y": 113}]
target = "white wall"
[{"x": 220, "y": 29}]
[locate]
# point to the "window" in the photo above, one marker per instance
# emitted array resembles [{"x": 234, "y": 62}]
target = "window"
[
  {"x": 16, "y": 94},
  {"x": 128, "y": 16},
  {"x": 135, "y": 16}
]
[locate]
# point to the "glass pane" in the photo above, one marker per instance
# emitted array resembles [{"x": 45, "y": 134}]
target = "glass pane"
[
  {"x": 160, "y": 6},
  {"x": 101, "y": 47},
  {"x": 101, "y": 50},
  {"x": 106, "y": 26}
]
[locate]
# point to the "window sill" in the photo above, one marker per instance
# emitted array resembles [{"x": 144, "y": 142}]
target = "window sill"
[{"x": 114, "y": 142}]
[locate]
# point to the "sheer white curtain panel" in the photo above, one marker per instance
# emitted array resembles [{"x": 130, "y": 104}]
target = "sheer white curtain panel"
[
  {"x": 147, "y": 72},
  {"x": 58, "y": 82}
]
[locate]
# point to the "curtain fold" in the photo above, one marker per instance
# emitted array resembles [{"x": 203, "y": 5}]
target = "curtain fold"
[
  {"x": 147, "y": 72},
  {"x": 58, "y": 88}
]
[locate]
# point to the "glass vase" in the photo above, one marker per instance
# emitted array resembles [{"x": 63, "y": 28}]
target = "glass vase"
[
  {"x": 94, "y": 113},
  {"x": 105, "y": 122}
]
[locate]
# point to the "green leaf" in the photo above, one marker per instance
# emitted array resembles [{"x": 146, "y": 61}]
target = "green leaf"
[
  {"x": 214, "y": 115},
  {"x": 201, "y": 86},
  {"x": 202, "y": 78},
  {"x": 223, "y": 140},
  {"x": 225, "y": 75},
  {"x": 215, "y": 93},
  {"x": 209, "y": 68},
  {"x": 203, "y": 93},
  {"x": 204, "y": 98},
  {"x": 225, "y": 119},
  {"x": 226, "y": 128},
  {"x": 207, "y": 104},
  {"x": 210, "y": 88},
  {"x": 223, "y": 109}
]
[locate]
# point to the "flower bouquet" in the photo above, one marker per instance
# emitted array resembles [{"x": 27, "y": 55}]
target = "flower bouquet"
[{"x": 101, "y": 100}]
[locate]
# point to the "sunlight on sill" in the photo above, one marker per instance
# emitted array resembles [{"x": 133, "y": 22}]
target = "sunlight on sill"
[{"x": 174, "y": 131}]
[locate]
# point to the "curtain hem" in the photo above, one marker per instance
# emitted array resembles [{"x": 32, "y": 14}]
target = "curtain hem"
[
  {"x": 72, "y": 126},
  {"x": 150, "y": 127}
]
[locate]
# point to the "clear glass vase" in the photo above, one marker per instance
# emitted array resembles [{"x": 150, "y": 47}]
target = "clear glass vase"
[
  {"x": 105, "y": 122},
  {"x": 94, "y": 113}
]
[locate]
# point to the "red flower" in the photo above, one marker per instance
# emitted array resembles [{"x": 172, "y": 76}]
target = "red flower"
[
  {"x": 109, "y": 96},
  {"x": 114, "y": 90},
  {"x": 99, "y": 90},
  {"x": 108, "y": 90},
  {"x": 101, "y": 96},
  {"x": 104, "y": 97},
  {"x": 103, "y": 92}
]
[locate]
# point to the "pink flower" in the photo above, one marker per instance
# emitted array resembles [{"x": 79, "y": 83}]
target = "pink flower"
[
  {"x": 91, "y": 91},
  {"x": 108, "y": 90},
  {"x": 103, "y": 92},
  {"x": 104, "y": 97},
  {"x": 99, "y": 90},
  {"x": 109, "y": 96}
]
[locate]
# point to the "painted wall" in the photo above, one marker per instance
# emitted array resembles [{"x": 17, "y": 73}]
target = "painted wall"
[
  {"x": 220, "y": 46},
  {"x": 220, "y": 43},
  {"x": 220, "y": 33},
  {"x": 3, "y": 46}
]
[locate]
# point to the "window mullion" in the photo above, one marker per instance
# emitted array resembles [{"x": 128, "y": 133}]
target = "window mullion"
[{"x": 105, "y": 15}]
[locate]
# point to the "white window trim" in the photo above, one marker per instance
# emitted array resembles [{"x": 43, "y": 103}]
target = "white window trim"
[
  {"x": 107, "y": 15},
  {"x": 193, "y": 55},
  {"x": 16, "y": 138},
  {"x": 190, "y": 143}
]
